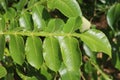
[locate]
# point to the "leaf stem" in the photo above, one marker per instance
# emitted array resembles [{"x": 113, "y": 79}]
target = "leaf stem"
[
  {"x": 43, "y": 34},
  {"x": 102, "y": 73}
]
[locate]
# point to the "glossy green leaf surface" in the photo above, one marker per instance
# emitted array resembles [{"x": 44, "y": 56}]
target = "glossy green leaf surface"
[
  {"x": 69, "y": 75},
  {"x": 37, "y": 12},
  {"x": 34, "y": 51},
  {"x": 96, "y": 41},
  {"x": 52, "y": 53},
  {"x": 69, "y": 8},
  {"x": 87, "y": 50},
  {"x": 3, "y": 71},
  {"x": 85, "y": 25},
  {"x": 25, "y": 21},
  {"x": 71, "y": 54},
  {"x": 2, "y": 46},
  {"x": 113, "y": 15},
  {"x": 72, "y": 24},
  {"x": 16, "y": 46},
  {"x": 54, "y": 25},
  {"x": 2, "y": 23}
]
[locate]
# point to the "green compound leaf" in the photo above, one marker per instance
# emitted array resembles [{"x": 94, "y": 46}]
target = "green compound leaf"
[
  {"x": 96, "y": 41},
  {"x": 16, "y": 47},
  {"x": 71, "y": 54},
  {"x": 3, "y": 71},
  {"x": 69, "y": 8},
  {"x": 34, "y": 51},
  {"x": 52, "y": 53}
]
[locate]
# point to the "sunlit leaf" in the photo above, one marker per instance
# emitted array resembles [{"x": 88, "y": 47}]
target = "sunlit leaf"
[
  {"x": 71, "y": 54},
  {"x": 96, "y": 41},
  {"x": 113, "y": 15},
  {"x": 37, "y": 12},
  {"x": 52, "y": 53},
  {"x": 87, "y": 50},
  {"x": 2, "y": 46},
  {"x": 72, "y": 24},
  {"x": 54, "y": 25},
  {"x": 85, "y": 24},
  {"x": 3, "y": 71},
  {"x": 26, "y": 21},
  {"x": 69, "y": 75},
  {"x": 16, "y": 46},
  {"x": 34, "y": 51},
  {"x": 69, "y": 8}
]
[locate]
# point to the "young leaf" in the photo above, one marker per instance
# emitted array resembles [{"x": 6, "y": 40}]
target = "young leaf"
[
  {"x": 85, "y": 24},
  {"x": 37, "y": 12},
  {"x": 72, "y": 24},
  {"x": 51, "y": 53},
  {"x": 54, "y": 25},
  {"x": 2, "y": 46},
  {"x": 71, "y": 54},
  {"x": 16, "y": 47},
  {"x": 34, "y": 51},
  {"x": 3, "y": 72},
  {"x": 2, "y": 23},
  {"x": 113, "y": 15},
  {"x": 69, "y": 75},
  {"x": 26, "y": 21},
  {"x": 69, "y": 8},
  {"x": 96, "y": 41}
]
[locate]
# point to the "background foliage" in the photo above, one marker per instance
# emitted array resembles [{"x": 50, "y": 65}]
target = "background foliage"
[{"x": 59, "y": 39}]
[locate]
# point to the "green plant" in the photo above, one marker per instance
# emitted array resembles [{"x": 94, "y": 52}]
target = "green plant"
[{"x": 45, "y": 40}]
